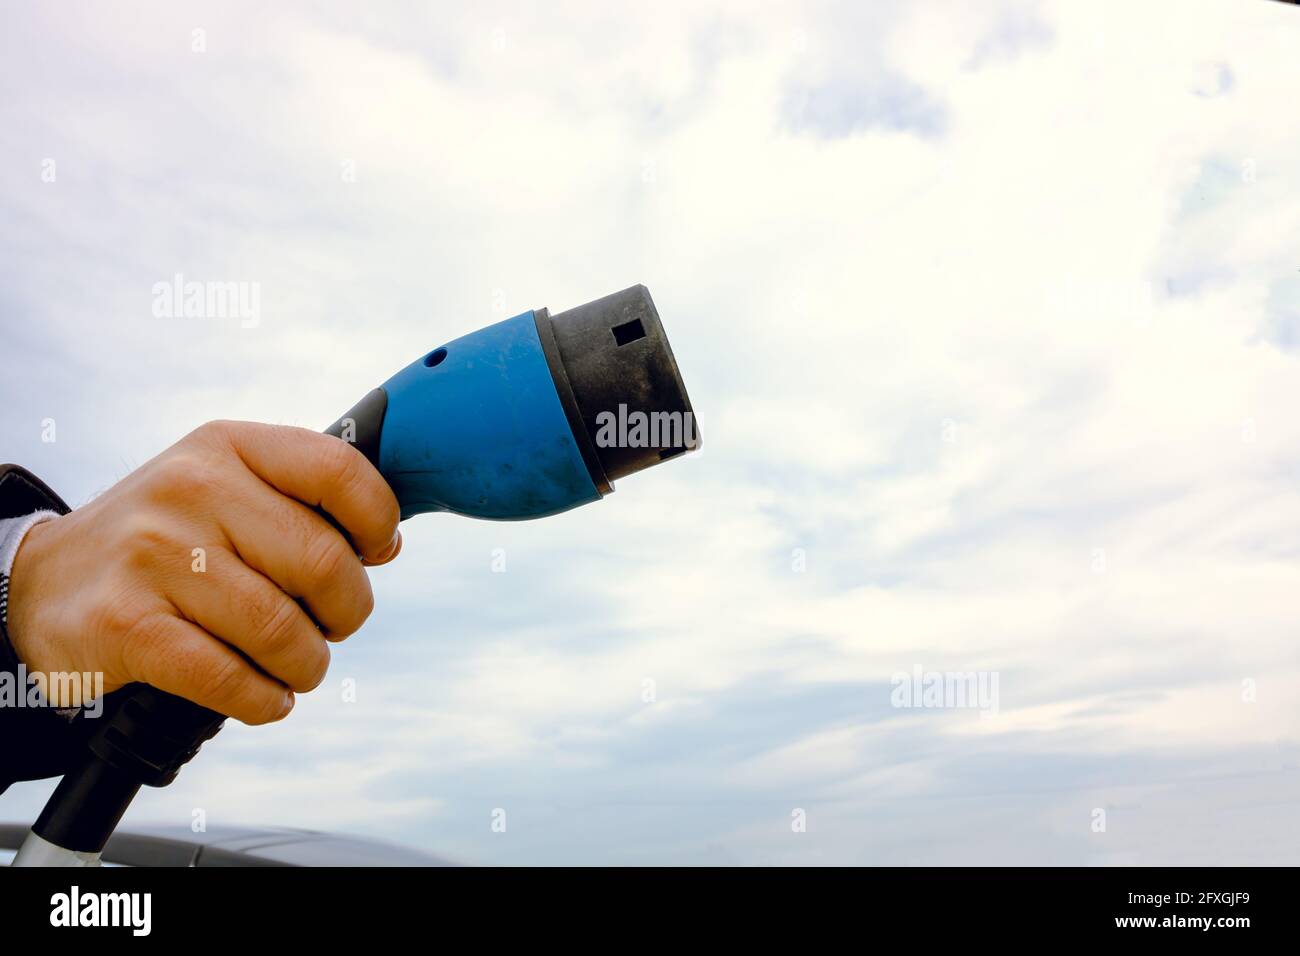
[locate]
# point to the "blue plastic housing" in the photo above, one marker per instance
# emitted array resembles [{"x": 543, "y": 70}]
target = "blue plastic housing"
[{"x": 479, "y": 430}]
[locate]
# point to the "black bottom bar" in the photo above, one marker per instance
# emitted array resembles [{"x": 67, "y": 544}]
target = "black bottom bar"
[{"x": 808, "y": 910}]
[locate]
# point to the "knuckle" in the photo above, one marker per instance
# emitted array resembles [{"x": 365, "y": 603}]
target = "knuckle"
[
  {"x": 342, "y": 465},
  {"x": 366, "y": 603},
  {"x": 356, "y": 610},
  {"x": 278, "y": 626},
  {"x": 223, "y": 681},
  {"x": 216, "y": 432},
  {"x": 143, "y": 539},
  {"x": 315, "y": 673},
  {"x": 182, "y": 476},
  {"x": 327, "y": 555},
  {"x": 123, "y": 618},
  {"x": 267, "y": 710}
]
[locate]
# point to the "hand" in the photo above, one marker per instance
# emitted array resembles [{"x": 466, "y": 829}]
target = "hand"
[{"x": 121, "y": 587}]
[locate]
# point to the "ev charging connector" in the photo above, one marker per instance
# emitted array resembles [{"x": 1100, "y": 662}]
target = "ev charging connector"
[{"x": 522, "y": 419}]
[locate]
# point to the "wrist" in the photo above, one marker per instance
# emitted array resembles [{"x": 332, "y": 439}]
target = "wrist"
[{"x": 26, "y": 592}]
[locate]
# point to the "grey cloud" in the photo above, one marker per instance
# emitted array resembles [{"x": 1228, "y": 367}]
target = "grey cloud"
[
  {"x": 518, "y": 179},
  {"x": 843, "y": 106}
]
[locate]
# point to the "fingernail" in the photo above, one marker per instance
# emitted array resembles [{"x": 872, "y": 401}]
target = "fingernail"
[
  {"x": 288, "y": 703},
  {"x": 390, "y": 552}
]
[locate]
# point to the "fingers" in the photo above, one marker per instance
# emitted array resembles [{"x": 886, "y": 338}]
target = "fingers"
[
  {"x": 180, "y": 658},
  {"x": 248, "y": 611},
  {"x": 397, "y": 549},
  {"x": 301, "y": 552},
  {"x": 321, "y": 470},
  {"x": 244, "y": 644}
]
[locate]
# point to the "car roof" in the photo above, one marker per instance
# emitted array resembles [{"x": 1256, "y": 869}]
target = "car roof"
[{"x": 176, "y": 845}]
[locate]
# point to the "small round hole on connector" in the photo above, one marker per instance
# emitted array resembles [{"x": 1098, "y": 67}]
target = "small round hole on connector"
[{"x": 435, "y": 358}]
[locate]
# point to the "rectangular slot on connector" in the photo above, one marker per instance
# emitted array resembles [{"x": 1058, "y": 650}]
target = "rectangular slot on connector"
[{"x": 628, "y": 332}]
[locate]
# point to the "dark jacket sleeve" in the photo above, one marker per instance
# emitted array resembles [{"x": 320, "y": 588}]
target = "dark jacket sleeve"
[{"x": 35, "y": 742}]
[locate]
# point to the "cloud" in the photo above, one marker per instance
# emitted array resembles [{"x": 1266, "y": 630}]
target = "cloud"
[
  {"x": 840, "y": 107},
  {"x": 986, "y": 314}
]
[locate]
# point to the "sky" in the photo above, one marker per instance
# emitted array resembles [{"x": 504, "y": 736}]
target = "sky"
[{"x": 990, "y": 316}]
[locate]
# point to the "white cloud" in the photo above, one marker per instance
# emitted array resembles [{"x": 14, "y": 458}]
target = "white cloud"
[{"x": 979, "y": 307}]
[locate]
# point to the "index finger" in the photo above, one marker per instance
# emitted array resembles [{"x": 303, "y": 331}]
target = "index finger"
[{"x": 326, "y": 472}]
